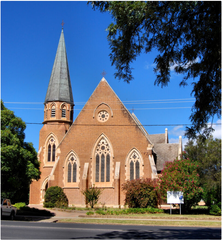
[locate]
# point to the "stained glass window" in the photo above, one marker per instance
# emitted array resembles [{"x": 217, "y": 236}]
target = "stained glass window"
[
  {"x": 137, "y": 169},
  {"x": 74, "y": 171},
  {"x": 102, "y": 173},
  {"x": 69, "y": 172},
  {"x": 49, "y": 153},
  {"x": 107, "y": 168},
  {"x": 131, "y": 170},
  {"x": 53, "y": 152},
  {"x": 102, "y": 167},
  {"x": 97, "y": 168},
  {"x": 134, "y": 166}
]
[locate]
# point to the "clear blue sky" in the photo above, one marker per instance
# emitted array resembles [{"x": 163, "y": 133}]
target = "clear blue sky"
[{"x": 30, "y": 34}]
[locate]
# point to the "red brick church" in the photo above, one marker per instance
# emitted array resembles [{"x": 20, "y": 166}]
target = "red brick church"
[{"x": 105, "y": 146}]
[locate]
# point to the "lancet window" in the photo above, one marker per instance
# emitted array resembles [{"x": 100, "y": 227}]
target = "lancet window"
[
  {"x": 102, "y": 166},
  {"x": 51, "y": 150},
  {"x": 134, "y": 168},
  {"x": 72, "y": 169}
]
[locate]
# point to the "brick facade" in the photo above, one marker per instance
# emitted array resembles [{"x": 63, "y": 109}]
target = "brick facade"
[
  {"x": 105, "y": 146},
  {"x": 119, "y": 131}
]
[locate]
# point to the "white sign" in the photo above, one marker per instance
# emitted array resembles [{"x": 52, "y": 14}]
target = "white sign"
[{"x": 175, "y": 197}]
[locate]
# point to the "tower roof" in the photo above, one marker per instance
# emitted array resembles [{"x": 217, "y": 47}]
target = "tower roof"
[{"x": 59, "y": 88}]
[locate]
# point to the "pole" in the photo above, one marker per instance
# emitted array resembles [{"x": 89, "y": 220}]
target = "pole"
[
  {"x": 170, "y": 210},
  {"x": 180, "y": 209}
]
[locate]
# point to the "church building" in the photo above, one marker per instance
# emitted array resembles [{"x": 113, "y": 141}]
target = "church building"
[{"x": 105, "y": 146}]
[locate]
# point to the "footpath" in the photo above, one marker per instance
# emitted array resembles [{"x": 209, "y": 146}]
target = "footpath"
[{"x": 59, "y": 214}]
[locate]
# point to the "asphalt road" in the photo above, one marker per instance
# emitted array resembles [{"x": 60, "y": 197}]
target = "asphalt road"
[{"x": 42, "y": 230}]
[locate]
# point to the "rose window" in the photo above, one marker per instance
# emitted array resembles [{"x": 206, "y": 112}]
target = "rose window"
[{"x": 103, "y": 116}]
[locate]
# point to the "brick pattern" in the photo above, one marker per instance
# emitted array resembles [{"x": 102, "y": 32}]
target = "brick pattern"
[{"x": 82, "y": 137}]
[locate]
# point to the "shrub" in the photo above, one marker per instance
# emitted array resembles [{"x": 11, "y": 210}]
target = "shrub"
[
  {"x": 55, "y": 197},
  {"x": 89, "y": 213},
  {"x": 215, "y": 210},
  {"x": 140, "y": 193},
  {"x": 19, "y": 205},
  {"x": 92, "y": 195},
  {"x": 100, "y": 212}
]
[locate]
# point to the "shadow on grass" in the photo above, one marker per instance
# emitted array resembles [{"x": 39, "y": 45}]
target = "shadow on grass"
[{"x": 31, "y": 214}]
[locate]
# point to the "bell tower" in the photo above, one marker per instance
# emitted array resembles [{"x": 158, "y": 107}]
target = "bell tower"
[
  {"x": 58, "y": 118},
  {"x": 59, "y": 99}
]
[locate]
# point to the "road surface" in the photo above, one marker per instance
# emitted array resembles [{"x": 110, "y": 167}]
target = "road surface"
[{"x": 44, "y": 230}]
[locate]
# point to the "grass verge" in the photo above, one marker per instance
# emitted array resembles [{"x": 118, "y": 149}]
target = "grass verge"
[{"x": 146, "y": 222}]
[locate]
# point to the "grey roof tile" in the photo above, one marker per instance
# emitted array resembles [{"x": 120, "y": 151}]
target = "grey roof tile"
[
  {"x": 165, "y": 153},
  {"x": 59, "y": 88},
  {"x": 157, "y": 138}
]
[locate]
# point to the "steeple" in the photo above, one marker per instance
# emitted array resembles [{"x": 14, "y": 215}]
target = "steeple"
[{"x": 59, "y": 88}]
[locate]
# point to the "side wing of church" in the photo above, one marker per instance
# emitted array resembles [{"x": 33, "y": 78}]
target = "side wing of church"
[{"x": 105, "y": 146}]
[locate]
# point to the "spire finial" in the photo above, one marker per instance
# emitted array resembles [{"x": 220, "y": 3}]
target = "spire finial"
[
  {"x": 103, "y": 73},
  {"x": 62, "y": 24}
]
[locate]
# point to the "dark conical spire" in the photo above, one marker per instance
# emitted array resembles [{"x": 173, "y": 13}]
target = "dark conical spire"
[{"x": 59, "y": 88}]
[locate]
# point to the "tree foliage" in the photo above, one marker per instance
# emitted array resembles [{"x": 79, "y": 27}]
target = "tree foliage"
[
  {"x": 19, "y": 164},
  {"x": 55, "y": 197},
  {"x": 92, "y": 195},
  {"x": 187, "y": 36},
  {"x": 207, "y": 153},
  {"x": 140, "y": 193},
  {"x": 181, "y": 175}
]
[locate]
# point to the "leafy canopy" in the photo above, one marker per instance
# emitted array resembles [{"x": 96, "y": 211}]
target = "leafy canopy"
[
  {"x": 19, "y": 164},
  {"x": 207, "y": 154},
  {"x": 187, "y": 36},
  {"x": 181, "y": 175}
]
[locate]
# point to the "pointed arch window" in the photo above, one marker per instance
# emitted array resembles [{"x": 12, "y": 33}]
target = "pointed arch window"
[
  {"x": 72, "y": 169},
  {"x": 53, "y": 111},
  {"x": 102, "y": 166},
  {"x": 51, "y": 150},
  {"x": 134, "y": 166}
]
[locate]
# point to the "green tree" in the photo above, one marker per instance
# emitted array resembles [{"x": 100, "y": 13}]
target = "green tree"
[
  {"x": 140, "y": 193},
  {"x": 92, "y": 195},
  {"x": 19, "y": 164},
  {"x": 181, "y": 175},
  {"x": 207, "y": 153},
  {"x": 187, "y": 36}
]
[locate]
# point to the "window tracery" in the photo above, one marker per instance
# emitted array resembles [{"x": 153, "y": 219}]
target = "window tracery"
[
  {"x": 72, "y": 169},
  {"x": 51, "y": 150},
  {"x": 134, "y": 166},
  {"x": 102, "y": 154}
]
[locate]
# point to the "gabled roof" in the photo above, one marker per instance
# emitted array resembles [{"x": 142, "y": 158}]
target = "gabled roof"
[
  {"x": 157, "y": 138},
  {"x": 59, "y": 88},
  {"x": 165, "y": 153}
]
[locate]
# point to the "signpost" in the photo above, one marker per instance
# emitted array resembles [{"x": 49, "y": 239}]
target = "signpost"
[{"x": 175, "y": 198}]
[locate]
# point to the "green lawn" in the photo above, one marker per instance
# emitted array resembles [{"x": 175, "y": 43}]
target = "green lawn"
[{"x": 146, "y": 222}]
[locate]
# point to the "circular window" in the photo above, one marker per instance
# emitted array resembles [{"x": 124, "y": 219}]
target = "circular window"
[{"x": 103, "y": 116}]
